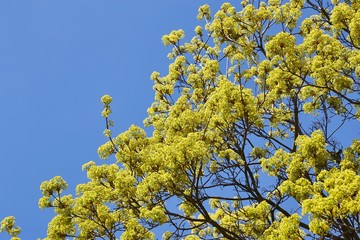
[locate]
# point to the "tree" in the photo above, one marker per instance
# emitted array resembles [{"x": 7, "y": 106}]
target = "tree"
[{"x": 247, "y": 138}]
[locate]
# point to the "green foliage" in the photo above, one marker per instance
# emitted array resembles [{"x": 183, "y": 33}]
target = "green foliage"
[
  {"x": 8, "y": 225},
  {"x": 246, "y": 137}
]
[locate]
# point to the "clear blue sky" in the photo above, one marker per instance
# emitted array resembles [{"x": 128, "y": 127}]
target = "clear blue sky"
[{"x": 57, "y": 58}]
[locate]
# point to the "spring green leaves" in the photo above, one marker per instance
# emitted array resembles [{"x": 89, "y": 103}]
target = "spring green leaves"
[{"x": 8, "y": 225}]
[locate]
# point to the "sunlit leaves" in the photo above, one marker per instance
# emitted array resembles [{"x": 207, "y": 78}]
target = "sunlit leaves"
[
  {"x": 245, "y": 141},
  {"x": 8, "y": 225}
]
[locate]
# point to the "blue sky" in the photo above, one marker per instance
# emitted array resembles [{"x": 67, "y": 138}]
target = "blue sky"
[{"x": 57, "y": 58}]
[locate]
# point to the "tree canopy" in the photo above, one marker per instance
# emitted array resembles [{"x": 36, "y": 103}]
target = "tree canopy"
[{"x": 247, "y": 135}]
